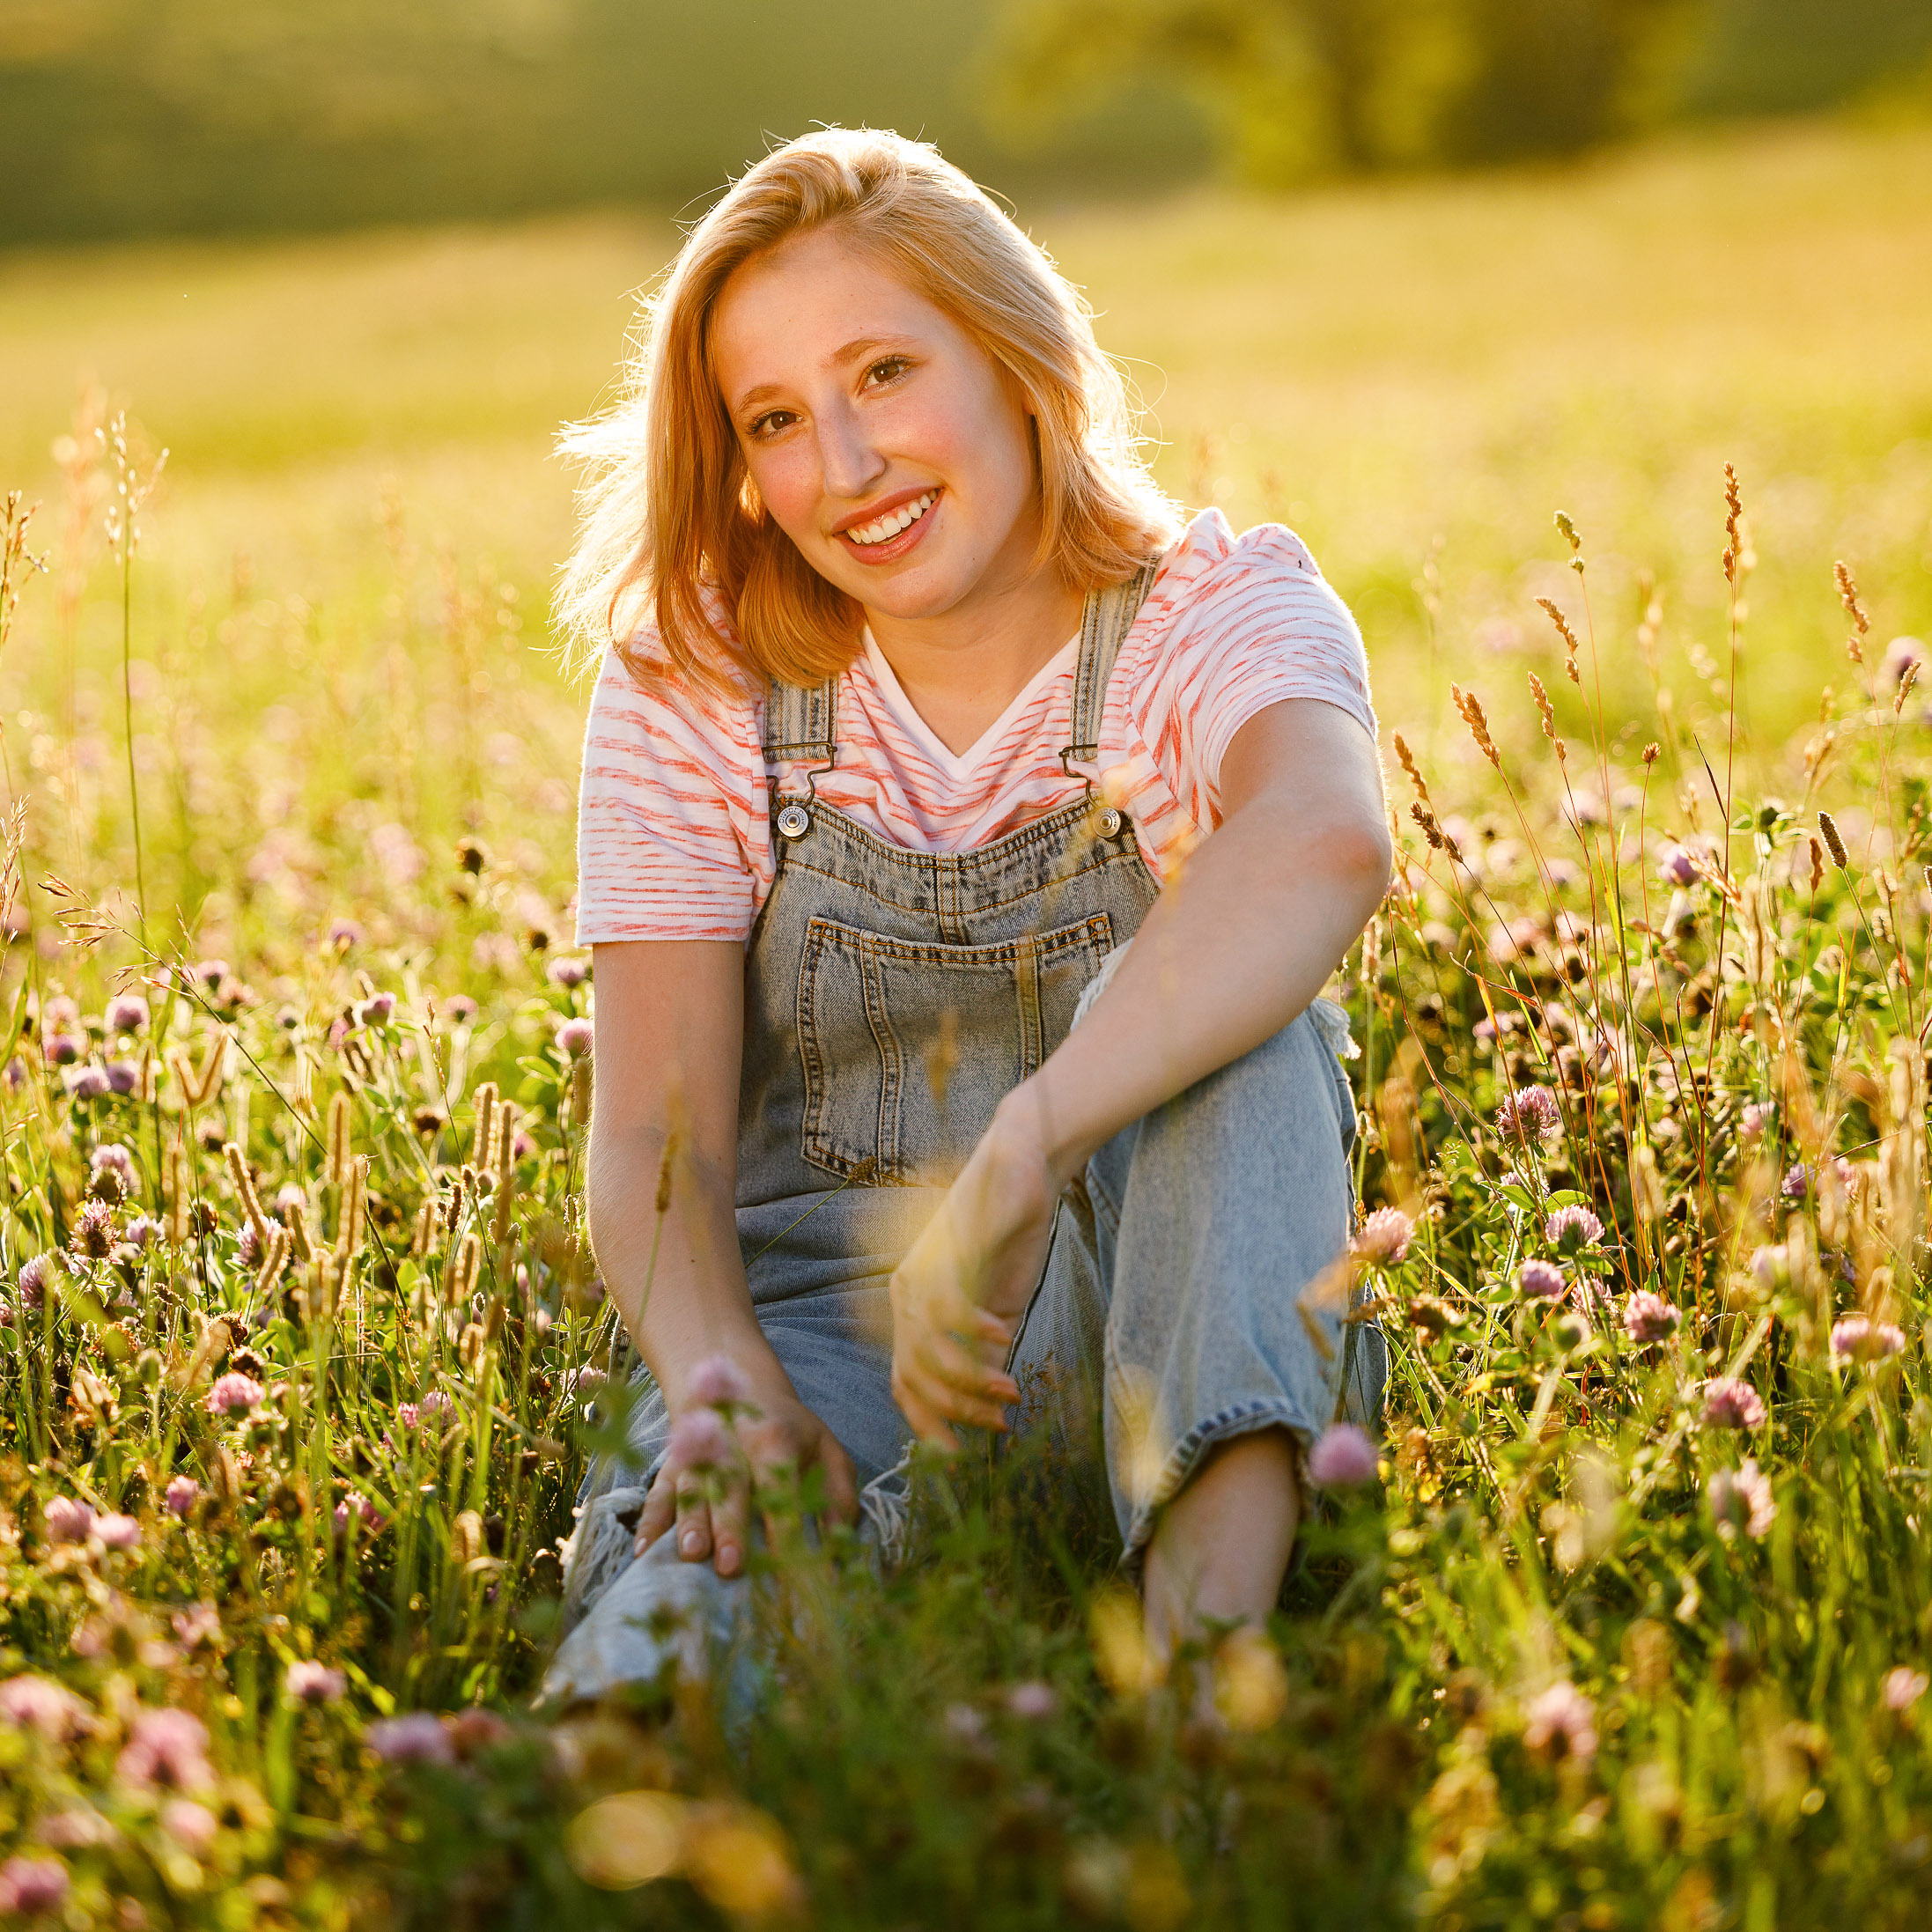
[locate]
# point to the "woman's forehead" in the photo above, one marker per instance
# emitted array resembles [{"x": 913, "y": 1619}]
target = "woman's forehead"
[{"x": 815, "y": 301}]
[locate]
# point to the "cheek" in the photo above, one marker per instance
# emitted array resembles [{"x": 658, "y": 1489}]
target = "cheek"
[
  {"x": 788, "y": 480},
  {"x": 980, "y": 442}
]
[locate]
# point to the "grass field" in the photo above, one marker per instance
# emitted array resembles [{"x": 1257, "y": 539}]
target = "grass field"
[{"x": 301, "y": 1343}]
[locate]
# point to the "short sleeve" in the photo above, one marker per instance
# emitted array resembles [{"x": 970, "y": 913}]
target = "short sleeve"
[
  {"x": 1232, "y": 626},
  {"x": 667, "y": 806},
  {"x": 1269, "y": 626}
]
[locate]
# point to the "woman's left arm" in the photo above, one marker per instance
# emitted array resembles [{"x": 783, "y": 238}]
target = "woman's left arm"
[{"x": 1234, "y": 948}]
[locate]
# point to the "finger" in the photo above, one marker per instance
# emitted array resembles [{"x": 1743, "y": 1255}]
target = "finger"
[
  {"x": 841, "y": 1480},
  {"x": 927, "y": 1421},
  {"x": 694, "y": 1518},
  {"x": 728, "y": 1527},
  {"x": 983, "y": 1404},
  {"x": 660, "y": 1509},
  {"x": 948, "y": 1359}
]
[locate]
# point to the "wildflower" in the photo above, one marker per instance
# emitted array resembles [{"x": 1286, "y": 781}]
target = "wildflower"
[
  {"x": 1034, "y": 1700},
  {"x": 142, "y": 1232},
  {"x": 701, "y": 1439},
  {"x": 1541, "y": 1280},
  {"x": 167, "y": 1747},
  {"x": 1903, "y": 1687},
  {"x": 114, "y": 1532},
  {"x": 210, "y": 973},
  {"x": 29, "y": 1886},
  {"x": 1740, "y": 1498},
  {"x": 1383, "y": 1238},
  {"x": 197, "y": 1626},
  {"x": 343, "y": 934},
  {"x": 1730, "y": 1403},
  {"x": 416, "y": 1738},
  {"x": 1904, "y": 654},
  {"x": 33, "y": 1280},
  {"x": 89, "y": 1083},
  {"x": 311, "y": 1682},
  {"x": 67, "y": 1520},
  {"x": 376, "y": 1010},
  {"x": 522, "y": 1146},
  {"x": 1343, "y": 1458},
  {"x": 1796, "y": 1183},
  {"x": 575, "y": 1036},
  {"x": 1858, "y": 1339},
  {"x": 406, "y": 1414},
  {"x": 1570, "y": 1229},
  {"x": 235, "y": 1392},
  {"x": 1648, "y": 1317},
  {"x": 1756, "y": 1119},
  {"x": 719, "y": 1382},
  {"x": 39, "y": 1704},
  {"x": 191, "y": 1826},
  {"x": 1562, "y": 1722},
  {"x": 964, "y": 1725},
  {"x": 356, "y": 1504},
  {"x": 123, "y": 1076},
  {"x": 1530, "y": 1112},
  {"x": 127, "y": 1013},
  {"x": 182, "y": 1494},
  {"x": 94, "y": 1233},
  {"x": 461, "y": 1009},
  {"x": 568, "y": 972},
  {"x": 111, "y": 1157},
  {"x": 1678, "y": 866},
  {"x": 14, "y": 1074},
  {"x": 63, "y": 1048}
]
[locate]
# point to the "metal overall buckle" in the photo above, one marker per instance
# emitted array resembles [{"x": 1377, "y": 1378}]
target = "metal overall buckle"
[{"x": 795, "y": 820}]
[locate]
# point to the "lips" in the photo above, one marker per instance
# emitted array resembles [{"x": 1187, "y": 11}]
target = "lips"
[{"x": 890, "y": 523}]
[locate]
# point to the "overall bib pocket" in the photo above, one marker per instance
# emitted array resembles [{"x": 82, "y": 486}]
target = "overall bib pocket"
[{"x": 908, "y": 1046}]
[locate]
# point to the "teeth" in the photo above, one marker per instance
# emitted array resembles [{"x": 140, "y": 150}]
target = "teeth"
[{"x": 894, "y": 521}]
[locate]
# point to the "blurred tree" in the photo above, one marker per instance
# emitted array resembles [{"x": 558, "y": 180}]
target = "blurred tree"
[
  {"x": 1304, "y": 87},
  {"x": 1784, "y": 56},
  {"x": 132, "y": 117}
]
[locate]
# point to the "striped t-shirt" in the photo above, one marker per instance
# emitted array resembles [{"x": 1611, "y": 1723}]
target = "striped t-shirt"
[{"x": 674, "y": 837}]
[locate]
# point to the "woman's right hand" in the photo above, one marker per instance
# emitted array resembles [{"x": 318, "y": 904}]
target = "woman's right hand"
[{"x": 725, "y": 1444}]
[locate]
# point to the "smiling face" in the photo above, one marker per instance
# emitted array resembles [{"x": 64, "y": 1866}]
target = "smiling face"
[{"x": 889, "y": 447}]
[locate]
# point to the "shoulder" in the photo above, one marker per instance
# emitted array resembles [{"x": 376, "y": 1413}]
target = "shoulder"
[
  {"x": 1211, "y": 578},
  {"x": 640, "y": 689}
]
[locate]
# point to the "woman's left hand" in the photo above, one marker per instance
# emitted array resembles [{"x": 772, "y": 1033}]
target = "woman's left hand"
[{"x": 959, "y": 1295}]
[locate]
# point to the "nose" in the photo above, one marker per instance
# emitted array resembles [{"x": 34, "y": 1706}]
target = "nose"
[{"x": 849, "y": 463}]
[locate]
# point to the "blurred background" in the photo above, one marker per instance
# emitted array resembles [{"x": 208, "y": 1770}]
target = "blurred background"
[
  {"x": 129, "y": 117},
  {"x": 1411, "y": 275}
]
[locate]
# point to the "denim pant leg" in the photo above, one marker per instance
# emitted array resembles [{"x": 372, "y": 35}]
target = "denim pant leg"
[
  {"x": 1198, "y": 1299},
  {"x": 626, "y": 1617}
]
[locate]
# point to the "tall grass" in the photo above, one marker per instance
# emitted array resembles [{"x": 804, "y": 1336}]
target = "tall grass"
[{"x": 303, "y": 1347}]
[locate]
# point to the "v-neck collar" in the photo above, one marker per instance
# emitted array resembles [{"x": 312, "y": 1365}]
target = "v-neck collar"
[{"x": 958, "y": 765}]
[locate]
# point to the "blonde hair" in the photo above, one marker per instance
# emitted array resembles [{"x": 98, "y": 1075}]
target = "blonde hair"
[{"x": 672, "y": 528}]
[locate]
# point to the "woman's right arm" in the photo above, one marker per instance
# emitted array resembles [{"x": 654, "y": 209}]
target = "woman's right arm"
[{"x": 670, "y": 1025}]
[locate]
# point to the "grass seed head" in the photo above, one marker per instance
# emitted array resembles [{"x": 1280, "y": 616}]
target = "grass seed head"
[{"x": 1828, "y": 826}]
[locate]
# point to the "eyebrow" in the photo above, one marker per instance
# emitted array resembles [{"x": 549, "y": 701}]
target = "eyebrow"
[{"x": 860, "y": 346}]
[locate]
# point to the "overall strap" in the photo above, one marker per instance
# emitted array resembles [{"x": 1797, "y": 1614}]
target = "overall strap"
[
  {"x": 1104, "y": 624},
  {"x": 800, "y": 723}
]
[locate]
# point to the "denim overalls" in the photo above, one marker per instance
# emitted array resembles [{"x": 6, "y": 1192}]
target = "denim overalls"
[{"x": 892, "y": 998}]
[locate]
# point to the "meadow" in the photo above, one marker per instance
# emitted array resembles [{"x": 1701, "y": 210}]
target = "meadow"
[{"x": 1624, "y": 1624}]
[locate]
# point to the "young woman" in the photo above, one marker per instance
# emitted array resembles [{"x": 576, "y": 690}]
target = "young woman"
[{"x": 918, "y": 701}]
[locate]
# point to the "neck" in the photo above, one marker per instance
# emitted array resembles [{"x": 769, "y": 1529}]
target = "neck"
[{"x": 961, "y": 668}]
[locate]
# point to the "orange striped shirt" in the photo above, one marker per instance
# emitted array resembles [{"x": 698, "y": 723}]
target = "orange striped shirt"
[{"x": 675, "y": 838}]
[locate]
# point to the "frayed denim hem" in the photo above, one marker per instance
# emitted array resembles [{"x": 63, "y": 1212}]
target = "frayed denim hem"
[{"x": 1241, "y": 1418}]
